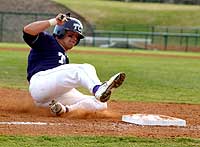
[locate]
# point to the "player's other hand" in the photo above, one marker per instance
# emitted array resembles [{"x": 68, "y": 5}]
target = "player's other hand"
[{"x": 61, "y": 18}]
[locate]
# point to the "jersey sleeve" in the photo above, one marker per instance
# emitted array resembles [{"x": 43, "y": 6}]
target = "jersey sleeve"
[
  {"x": 29, "y": 39},
  {"x": 34, "y": 41}
]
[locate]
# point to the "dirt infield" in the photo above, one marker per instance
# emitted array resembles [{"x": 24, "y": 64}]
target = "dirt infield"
[
  {"x": 115, "y": 53},
  {"x": 17, "y": 106}
]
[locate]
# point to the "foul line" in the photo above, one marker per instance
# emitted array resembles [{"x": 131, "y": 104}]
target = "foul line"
[
  {"x": 23, "y": 123},
  {"x": 30, "y": 123}
]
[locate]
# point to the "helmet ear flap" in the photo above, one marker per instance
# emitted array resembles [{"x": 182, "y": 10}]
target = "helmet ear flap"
[{"x": 59, "y": 32}]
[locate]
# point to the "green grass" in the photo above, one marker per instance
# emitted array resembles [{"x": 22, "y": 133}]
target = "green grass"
[
  {"x": 151, "y": 79},
  {"x": 13, "y": 69},
  {"x": 107, "y": 14},
  {"x": 13, "y": 45},
  {"x": 77, "y": 141}
]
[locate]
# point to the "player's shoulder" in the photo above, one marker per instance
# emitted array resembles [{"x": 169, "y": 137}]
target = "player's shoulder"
[{"x": 46, "y": 35}]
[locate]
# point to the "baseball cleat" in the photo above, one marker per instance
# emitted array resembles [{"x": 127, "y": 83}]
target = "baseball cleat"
[
  {"x": 57, "y": 108},
  {"x": 104, "y": 91}
]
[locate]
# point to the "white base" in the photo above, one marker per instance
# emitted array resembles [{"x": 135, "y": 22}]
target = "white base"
[{"x": 153, "y": 120}]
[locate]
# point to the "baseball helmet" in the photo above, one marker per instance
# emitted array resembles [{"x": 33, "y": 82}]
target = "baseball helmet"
[{"x": 72, "y": 24}]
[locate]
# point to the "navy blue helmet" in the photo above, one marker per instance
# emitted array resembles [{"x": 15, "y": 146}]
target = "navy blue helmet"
[{"x": 73, "y": 25}]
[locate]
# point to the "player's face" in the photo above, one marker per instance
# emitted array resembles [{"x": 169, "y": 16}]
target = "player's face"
[{"x": 70, "y": 40}]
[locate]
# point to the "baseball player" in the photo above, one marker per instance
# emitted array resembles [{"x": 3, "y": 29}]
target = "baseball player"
[{"x": 52, "y": 79}]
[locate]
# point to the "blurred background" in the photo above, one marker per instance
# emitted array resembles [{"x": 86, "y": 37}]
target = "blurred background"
[{"x": 128, "y": 24}]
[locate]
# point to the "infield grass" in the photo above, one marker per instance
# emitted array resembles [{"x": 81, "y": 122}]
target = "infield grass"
[{"x": 77, "y": 141}]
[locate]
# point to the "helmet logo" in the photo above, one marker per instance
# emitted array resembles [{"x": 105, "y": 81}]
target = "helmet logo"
[{"x": 77, "y": 27}]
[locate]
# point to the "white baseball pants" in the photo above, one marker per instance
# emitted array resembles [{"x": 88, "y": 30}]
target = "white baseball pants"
[{"x": 59, "y": 83}]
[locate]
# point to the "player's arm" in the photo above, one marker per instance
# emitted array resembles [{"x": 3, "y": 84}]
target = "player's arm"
[
  {"x": 36, "y": 27},
  {"x": 39, "y": 26}
]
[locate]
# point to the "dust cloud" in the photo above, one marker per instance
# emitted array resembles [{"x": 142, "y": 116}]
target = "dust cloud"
[{"x": 20, "y": 102}]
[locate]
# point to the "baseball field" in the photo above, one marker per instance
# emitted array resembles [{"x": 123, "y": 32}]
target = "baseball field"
[{"x": 157, "y": 82}]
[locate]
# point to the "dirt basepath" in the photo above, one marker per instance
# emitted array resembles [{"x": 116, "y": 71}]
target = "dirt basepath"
[
  {"x": 17, "y": 106},
  {"x": 114, "y": 53}
]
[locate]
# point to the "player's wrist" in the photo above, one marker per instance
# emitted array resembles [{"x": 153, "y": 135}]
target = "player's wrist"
[{"x": 52, "y": 22}]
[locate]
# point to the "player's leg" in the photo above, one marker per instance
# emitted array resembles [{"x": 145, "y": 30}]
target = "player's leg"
[
  {"x": 102, "y": 91},
  {"x": 73, "y": 96},
  {"x": 86, "y": 76},
  {"x": 75, "y": 100},
  {"x": 46, "y": 85}
]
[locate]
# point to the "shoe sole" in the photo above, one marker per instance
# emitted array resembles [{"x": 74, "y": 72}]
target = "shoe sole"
[
  {"x": 115, "y": 84},
  {"x": 56, "y": 109}
]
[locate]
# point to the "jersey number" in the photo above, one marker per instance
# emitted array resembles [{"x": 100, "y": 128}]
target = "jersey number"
[{"x": 62, "y": 58}]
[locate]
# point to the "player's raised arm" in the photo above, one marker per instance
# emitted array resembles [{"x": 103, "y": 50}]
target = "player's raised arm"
[{"x": 36, "y": 27}]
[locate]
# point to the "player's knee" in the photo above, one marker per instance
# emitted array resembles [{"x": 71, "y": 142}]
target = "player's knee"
[{"x": 88, "y": 66}]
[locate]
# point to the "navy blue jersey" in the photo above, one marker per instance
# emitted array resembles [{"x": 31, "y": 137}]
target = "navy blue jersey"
[{"x": 45, "y": 53}]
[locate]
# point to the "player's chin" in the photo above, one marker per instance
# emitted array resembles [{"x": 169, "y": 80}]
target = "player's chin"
[{"x": 68, "y": 48}]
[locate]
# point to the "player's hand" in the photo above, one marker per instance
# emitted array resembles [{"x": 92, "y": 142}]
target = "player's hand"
[{"x": 61, "y": 18}]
